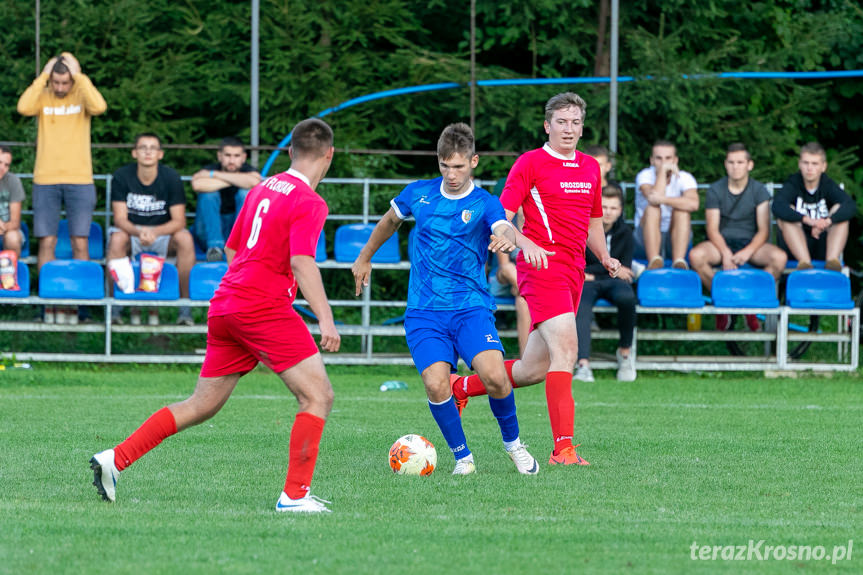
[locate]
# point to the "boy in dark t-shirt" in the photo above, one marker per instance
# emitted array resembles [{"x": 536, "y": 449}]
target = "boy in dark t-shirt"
[
  {"x": 149, "y": 210},
  {"x": 812, "y": 212}
]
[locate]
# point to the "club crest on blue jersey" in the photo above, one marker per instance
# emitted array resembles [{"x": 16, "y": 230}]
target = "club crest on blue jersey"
[{"x": 466, "y": 215}]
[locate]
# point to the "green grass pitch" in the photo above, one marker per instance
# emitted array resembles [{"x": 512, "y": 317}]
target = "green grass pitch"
[{"x": 675, "y": 459}]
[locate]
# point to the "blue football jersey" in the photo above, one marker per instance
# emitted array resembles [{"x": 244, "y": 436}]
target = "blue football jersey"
[{"x": 450, "y": 246}]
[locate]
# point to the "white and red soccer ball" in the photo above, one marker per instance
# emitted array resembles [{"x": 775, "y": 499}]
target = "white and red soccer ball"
[{"x": 413, "y": 455}]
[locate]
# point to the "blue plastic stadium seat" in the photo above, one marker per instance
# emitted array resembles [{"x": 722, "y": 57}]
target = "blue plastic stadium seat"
[
  {"x": 817, "y": 264},
  {"x": 25, "y": 241},
  {"x": 96, "y": 242},
  {"x": 351, "y": 238},
  {"x": 670, "y": 287},
  {"x": 321, "y": 248},
  {"x": 744, "y": 288},
  {"x": 23, "y": 283},
  {"x": 169, "y": 287},
  {"x": 73, "y": 279},
  {"x": 204, "y": 279},
  {"x": 818, "y": 289}
]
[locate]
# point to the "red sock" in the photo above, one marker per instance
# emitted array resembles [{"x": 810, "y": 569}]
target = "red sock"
[
  {"x": 561, "y": 408},
  {"x": 508, "y": 365},
  {"x": 305, "y": 440},
  {"x": 472, "y": 386},
  {"x": 151, "y": 433}
]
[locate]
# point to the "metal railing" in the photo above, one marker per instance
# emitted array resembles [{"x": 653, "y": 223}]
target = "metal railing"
[{"x": 778, "y": 335}]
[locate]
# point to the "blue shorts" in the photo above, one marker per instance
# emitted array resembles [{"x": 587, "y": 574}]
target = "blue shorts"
[{"x": 445, "y": 335}]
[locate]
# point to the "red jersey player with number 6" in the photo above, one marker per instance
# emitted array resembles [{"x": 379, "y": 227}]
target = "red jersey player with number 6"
[
  {"x": 559, "y": 190},
  {"x": 270, "y": 253}
]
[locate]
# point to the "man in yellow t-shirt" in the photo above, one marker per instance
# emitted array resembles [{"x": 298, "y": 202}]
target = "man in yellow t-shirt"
[{"x": 63, "y": 99}]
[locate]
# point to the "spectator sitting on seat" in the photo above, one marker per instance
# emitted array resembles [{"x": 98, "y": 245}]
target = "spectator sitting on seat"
[
  {"x": 221, "y": 188},
  {"x": 664, "y": 199},
  {"x": 812, "y": 212},
  {"x": 737, "y": 214},
  {"x": 11, "y": 199},
  {"x": 618, "y": 290},
  {"x": 502, "y": 283},
  {"x": 149, "y": 209},
  {"x": 64, "y": 100}
]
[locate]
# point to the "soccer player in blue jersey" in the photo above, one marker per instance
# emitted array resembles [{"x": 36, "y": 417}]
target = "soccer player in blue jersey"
[{"x": 449, "y": 307}]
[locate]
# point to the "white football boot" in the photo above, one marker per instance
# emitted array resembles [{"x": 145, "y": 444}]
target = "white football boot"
[
  {"x": 464, "y": 466},
  {"x": 307, "y": 504},
  {"x": 105, "y": 474},
  {"x": 524, "y": 461}
]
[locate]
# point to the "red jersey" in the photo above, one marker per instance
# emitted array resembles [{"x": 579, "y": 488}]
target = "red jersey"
[
  {"x": 281, "y": 217},
  {"x": 559, "y": 195}
]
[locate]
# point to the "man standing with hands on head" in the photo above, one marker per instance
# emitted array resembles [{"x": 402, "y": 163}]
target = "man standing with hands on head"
[
  {"x": 558, "y": 188},
  {"x": 64, "y": 99}
]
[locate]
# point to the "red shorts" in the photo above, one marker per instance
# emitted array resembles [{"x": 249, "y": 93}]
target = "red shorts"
[
  {"x": 550, "y": 292},
  {"x": 237, "y": 342}
]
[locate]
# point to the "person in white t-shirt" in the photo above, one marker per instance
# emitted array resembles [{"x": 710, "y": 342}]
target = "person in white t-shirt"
[{"x": 665, "y": 198}]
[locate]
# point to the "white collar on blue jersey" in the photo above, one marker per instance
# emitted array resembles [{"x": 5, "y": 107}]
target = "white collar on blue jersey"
[
  {"x": 547, "y": 147},
  {"x": 299, "y": 175},
  {"x": 465, "y": 194}
]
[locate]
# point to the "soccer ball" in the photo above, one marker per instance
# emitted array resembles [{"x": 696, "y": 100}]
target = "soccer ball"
[{"x": 413, "y": 455}]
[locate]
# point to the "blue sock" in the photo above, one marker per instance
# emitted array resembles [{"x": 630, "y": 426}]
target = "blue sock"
[
  {"x": 447, "y": 418},
  {"x": 504, "y": 412}
]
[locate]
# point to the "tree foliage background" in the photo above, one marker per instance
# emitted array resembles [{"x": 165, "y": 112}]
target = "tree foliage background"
[{"x": 181, "y": 68}]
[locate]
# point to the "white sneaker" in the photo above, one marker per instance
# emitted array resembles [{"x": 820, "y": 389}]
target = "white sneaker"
[
  {"x": 60, "y": 316},
  {"x": 307, "y": 504},
  {"x": 135, "y": 316},
  {"x": 153, "y": 317},
  {"x": 584, "y": 373},
  {"x": 105, "y": 474},
  {"x": 72, "y": 316},
  {"x": 464, "y": 466},
  {"x": 524, "y": 461},
  {"x": 625, "y": 367}
]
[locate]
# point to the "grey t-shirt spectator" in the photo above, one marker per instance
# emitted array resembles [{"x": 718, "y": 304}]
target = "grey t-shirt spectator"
[
  {"x": 737, "y": 220},
  {"x": 11, "y": 190},
  {"x": 148, "y": 205}
]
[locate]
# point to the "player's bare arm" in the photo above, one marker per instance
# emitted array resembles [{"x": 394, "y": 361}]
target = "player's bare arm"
[
  {"x": 533, "y": 254},
  {"x": 596, "y": 243},
  {"x": 229, "y": 254},
  {"x": 502, "y": 239},
  {"x": 310, "y": 283},
  {"x": 362, "y": 267}
]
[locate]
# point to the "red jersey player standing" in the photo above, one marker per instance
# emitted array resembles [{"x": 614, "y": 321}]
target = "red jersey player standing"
[
  {"x": 270, "y": 253},
  {"x": 559, "y": 190}
]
